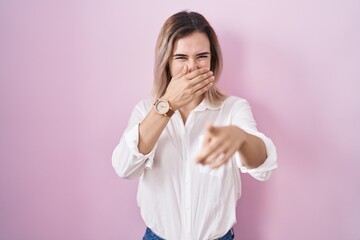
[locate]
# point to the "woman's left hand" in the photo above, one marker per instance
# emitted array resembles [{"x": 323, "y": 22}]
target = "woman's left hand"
[{"x": 220, "y": 143}]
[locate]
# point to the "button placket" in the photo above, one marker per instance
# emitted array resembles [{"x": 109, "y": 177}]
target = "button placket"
[{"x": 187, "y": 192}]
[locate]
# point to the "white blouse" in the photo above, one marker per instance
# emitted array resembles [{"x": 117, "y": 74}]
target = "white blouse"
[{"x": 180, "y": 199}]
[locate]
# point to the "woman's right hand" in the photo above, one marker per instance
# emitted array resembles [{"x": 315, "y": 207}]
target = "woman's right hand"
[{"x": 185, "y": 87}]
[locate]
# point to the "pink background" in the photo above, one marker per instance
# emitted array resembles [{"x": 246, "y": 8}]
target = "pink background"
[{"x": 71, "y": 71}]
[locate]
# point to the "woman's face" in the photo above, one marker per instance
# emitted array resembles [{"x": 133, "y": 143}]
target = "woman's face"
[{"x": 192, "y": 50}]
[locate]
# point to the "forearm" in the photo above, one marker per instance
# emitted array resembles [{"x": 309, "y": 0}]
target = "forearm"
[
  {"x": 183, "y": 89},
  {"x": 150, "y": 130},
  {"x": 252, "y": 150}
]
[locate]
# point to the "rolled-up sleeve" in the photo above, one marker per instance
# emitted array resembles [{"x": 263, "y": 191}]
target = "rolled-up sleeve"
[
  {"x": 243, "y": 118},
  {"x": 127, "y": 161}
]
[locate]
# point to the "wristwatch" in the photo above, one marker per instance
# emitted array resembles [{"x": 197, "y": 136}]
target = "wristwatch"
[{"x": 163, "y": 107}]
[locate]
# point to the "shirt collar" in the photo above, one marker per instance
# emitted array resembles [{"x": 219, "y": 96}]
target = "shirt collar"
[{"x": 205, "y": 104}]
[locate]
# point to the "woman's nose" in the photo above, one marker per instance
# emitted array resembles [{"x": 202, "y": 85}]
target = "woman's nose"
[{"x": 192, "y": 65}]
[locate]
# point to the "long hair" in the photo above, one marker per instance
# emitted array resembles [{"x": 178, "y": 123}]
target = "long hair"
[{"x": 178, "y": 26}]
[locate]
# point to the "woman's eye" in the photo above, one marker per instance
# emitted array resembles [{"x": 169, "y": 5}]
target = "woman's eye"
[
  {"x": 202, "y": 57},
  {"x": 180, "y": 58}
]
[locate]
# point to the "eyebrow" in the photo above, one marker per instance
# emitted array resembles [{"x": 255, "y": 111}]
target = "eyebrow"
[{"x": 184, "y": 55}]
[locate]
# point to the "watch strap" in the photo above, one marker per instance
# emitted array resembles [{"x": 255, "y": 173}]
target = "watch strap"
[{"x": 170, "y": 112}]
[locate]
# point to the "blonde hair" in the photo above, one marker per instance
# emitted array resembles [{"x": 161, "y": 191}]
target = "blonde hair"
[{"x": 178, "y": 26}]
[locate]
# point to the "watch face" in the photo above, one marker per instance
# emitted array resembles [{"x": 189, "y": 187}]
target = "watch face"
[{"x": 162, "y": 107}]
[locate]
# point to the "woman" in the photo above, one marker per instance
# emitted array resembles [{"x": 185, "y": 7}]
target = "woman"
[{"x": 189, "y": 142}]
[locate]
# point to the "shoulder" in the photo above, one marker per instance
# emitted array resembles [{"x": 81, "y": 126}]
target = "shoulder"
[
  {"x": 144, "y": 106},
  {"x": 239, "y": 110},
  {"x": 145, "y": 103},
  {"x": 235, "y": 102}
]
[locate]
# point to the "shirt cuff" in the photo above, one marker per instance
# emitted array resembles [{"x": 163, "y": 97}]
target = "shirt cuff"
[
  {"x": 263, "y": 171},
  {"x": 132, "y": 140}
]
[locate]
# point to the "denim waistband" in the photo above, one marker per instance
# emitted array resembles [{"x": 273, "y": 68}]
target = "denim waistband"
[{"x": 149, "y": 235}]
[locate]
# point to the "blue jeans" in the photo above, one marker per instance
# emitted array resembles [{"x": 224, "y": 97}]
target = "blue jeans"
[{"x": 149, "y": 235}]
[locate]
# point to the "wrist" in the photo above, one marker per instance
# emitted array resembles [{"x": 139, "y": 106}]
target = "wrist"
[
  {"x": 171, "y": 102},
  {"x": 241, "y": 135},
  {"x": 163, "y": 107}
]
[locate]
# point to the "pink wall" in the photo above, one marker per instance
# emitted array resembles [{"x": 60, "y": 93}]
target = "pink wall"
[{"x": 70, "y": 72}]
